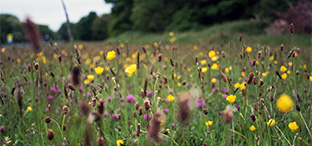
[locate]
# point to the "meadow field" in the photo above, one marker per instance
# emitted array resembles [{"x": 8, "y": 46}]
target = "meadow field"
[{"x": 214, "y": 87}]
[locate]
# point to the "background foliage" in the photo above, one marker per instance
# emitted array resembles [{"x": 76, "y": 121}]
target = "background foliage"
[{"x": 175, "y": 15}]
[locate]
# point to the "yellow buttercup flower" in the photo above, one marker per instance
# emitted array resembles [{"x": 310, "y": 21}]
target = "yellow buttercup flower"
[
  {"x": 172, "y": 40},
  {"x": 99, "y": 70},
  {"x": 284, "y": 103},
  {"x": 18, "y": 60},
  {"x": 101, "y": 52},
  {"x": 215, "y": 58},
  {"x": 203, "y": 62},
  {"x": 271, "y": 58},
  {"x": 288, "y": 72},
  {"x": 195, "y": 47},
  {"x": 86, "y": 82},
  {"x": 293, "y": 126},
  {"x": 204, "y": 69},
  {"x": 227, "y": 70},
  {"x": 179, "y": 77},
  {"x": 179, "y": 84},
  {"x": 252, "y": 128},
  {"x": 29, "y": 109},
  {"x": 209, "y": 123},
  {"x": 231, "y": 98},
  {"x": 111, "y": 55},
  {"x": 265, "y": 74},
  {"x": 122, "y": 45},
  {"x": 134, "y": 55},
  {"x": 283, "y": 68},
  {"x": 214, "y": 66},
  {"x": 284, "y": 76},
  {"x": 236, "y": 85},
  {"x": 90, "y": 77},
  {"x": 3, "y": 50},
  {"x": 131, "y": 69},
  {"x": 271, "y": 122},
  {"x": 305, "y": 66},
  {"x": 170, "y": 97},
  {"x": 97, "y": 58},
  {"x": 213, "y": 80},
  {"x": 119, "y": 142},
  {"x": 310, "y": 78},
  {"x": 171, "y": 34},
  {"x": 243, "y": 74},
  {"x": 248, "y": 49},
  {"x": 242, "y": 86},
  {"x": 211, "y": 53},
  {"x": 55, "y": 56},
  {"x": 290, "y": 63},
  {"x": 88, "y": 61},
  {"x": 275, "y": 62},
  {"x": 80, "y": 46},
  {"x": 92, "y": 65}
]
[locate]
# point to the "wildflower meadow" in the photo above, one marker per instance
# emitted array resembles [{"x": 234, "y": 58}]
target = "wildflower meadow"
[{"x": 158, "y": 93}]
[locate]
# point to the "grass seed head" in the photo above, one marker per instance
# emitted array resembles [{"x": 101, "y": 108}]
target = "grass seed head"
[
  {"x": 50, "y": 134},
  {"x": 101, "y": 141}
]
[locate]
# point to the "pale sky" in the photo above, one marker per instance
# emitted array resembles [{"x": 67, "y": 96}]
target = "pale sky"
[{"x": 50, "y": 12}]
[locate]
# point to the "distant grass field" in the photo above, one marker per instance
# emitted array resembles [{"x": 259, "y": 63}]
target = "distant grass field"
[{"x": 218, "y": 34}]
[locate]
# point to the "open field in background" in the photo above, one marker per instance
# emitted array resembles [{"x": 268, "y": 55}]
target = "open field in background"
[
  {"x": 203, "y": 88},
  {"x": 219, "y": 35}
]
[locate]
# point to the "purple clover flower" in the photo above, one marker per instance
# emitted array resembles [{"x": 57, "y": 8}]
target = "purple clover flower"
[
  {"x": 200, "y": 103},
  {"x": 2, "y": 128},
  {"x": 109, "y": 99},
  {"x": 149, "y": 93},
  {"x": 130, "y": 98},
  {"x": 147, "y": 117},
  {"x": 166, "y": 111}
]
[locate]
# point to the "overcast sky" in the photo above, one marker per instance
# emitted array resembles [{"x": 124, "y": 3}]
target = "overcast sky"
[{"x": 50, "y": 12}]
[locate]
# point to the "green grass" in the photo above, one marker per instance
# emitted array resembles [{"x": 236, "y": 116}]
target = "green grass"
[{"x": 218, "y": 34}]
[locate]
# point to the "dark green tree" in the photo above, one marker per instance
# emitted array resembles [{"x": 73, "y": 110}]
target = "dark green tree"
[
  {"x": 120, "y": 16},
  {"x": 45, "y": 30},
  {"x": 83, "y": 27},
  {"x": 11, "y": 24},
  {"x": 62, "y": 32},
  {"x": 99, "y": 27}
]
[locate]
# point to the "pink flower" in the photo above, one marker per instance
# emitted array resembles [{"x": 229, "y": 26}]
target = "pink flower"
[
  {"x": 2, "y": 128},
  {"x": 51, "y": 98},
  {"x": 89, "y": 94},
  {"x": 200, "y": 103},
  {"x": 122, "y": 104},
  {"x": 166, "y": 111},
  {"x": 130, "y": 98},
  {"x": 149, "y": 93},
  {"x": 109, "y": 98},
  {"x": 106, "y": 114},
  {"x": 149, "y": 116},
  {"x": 115, "y": 116}
]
